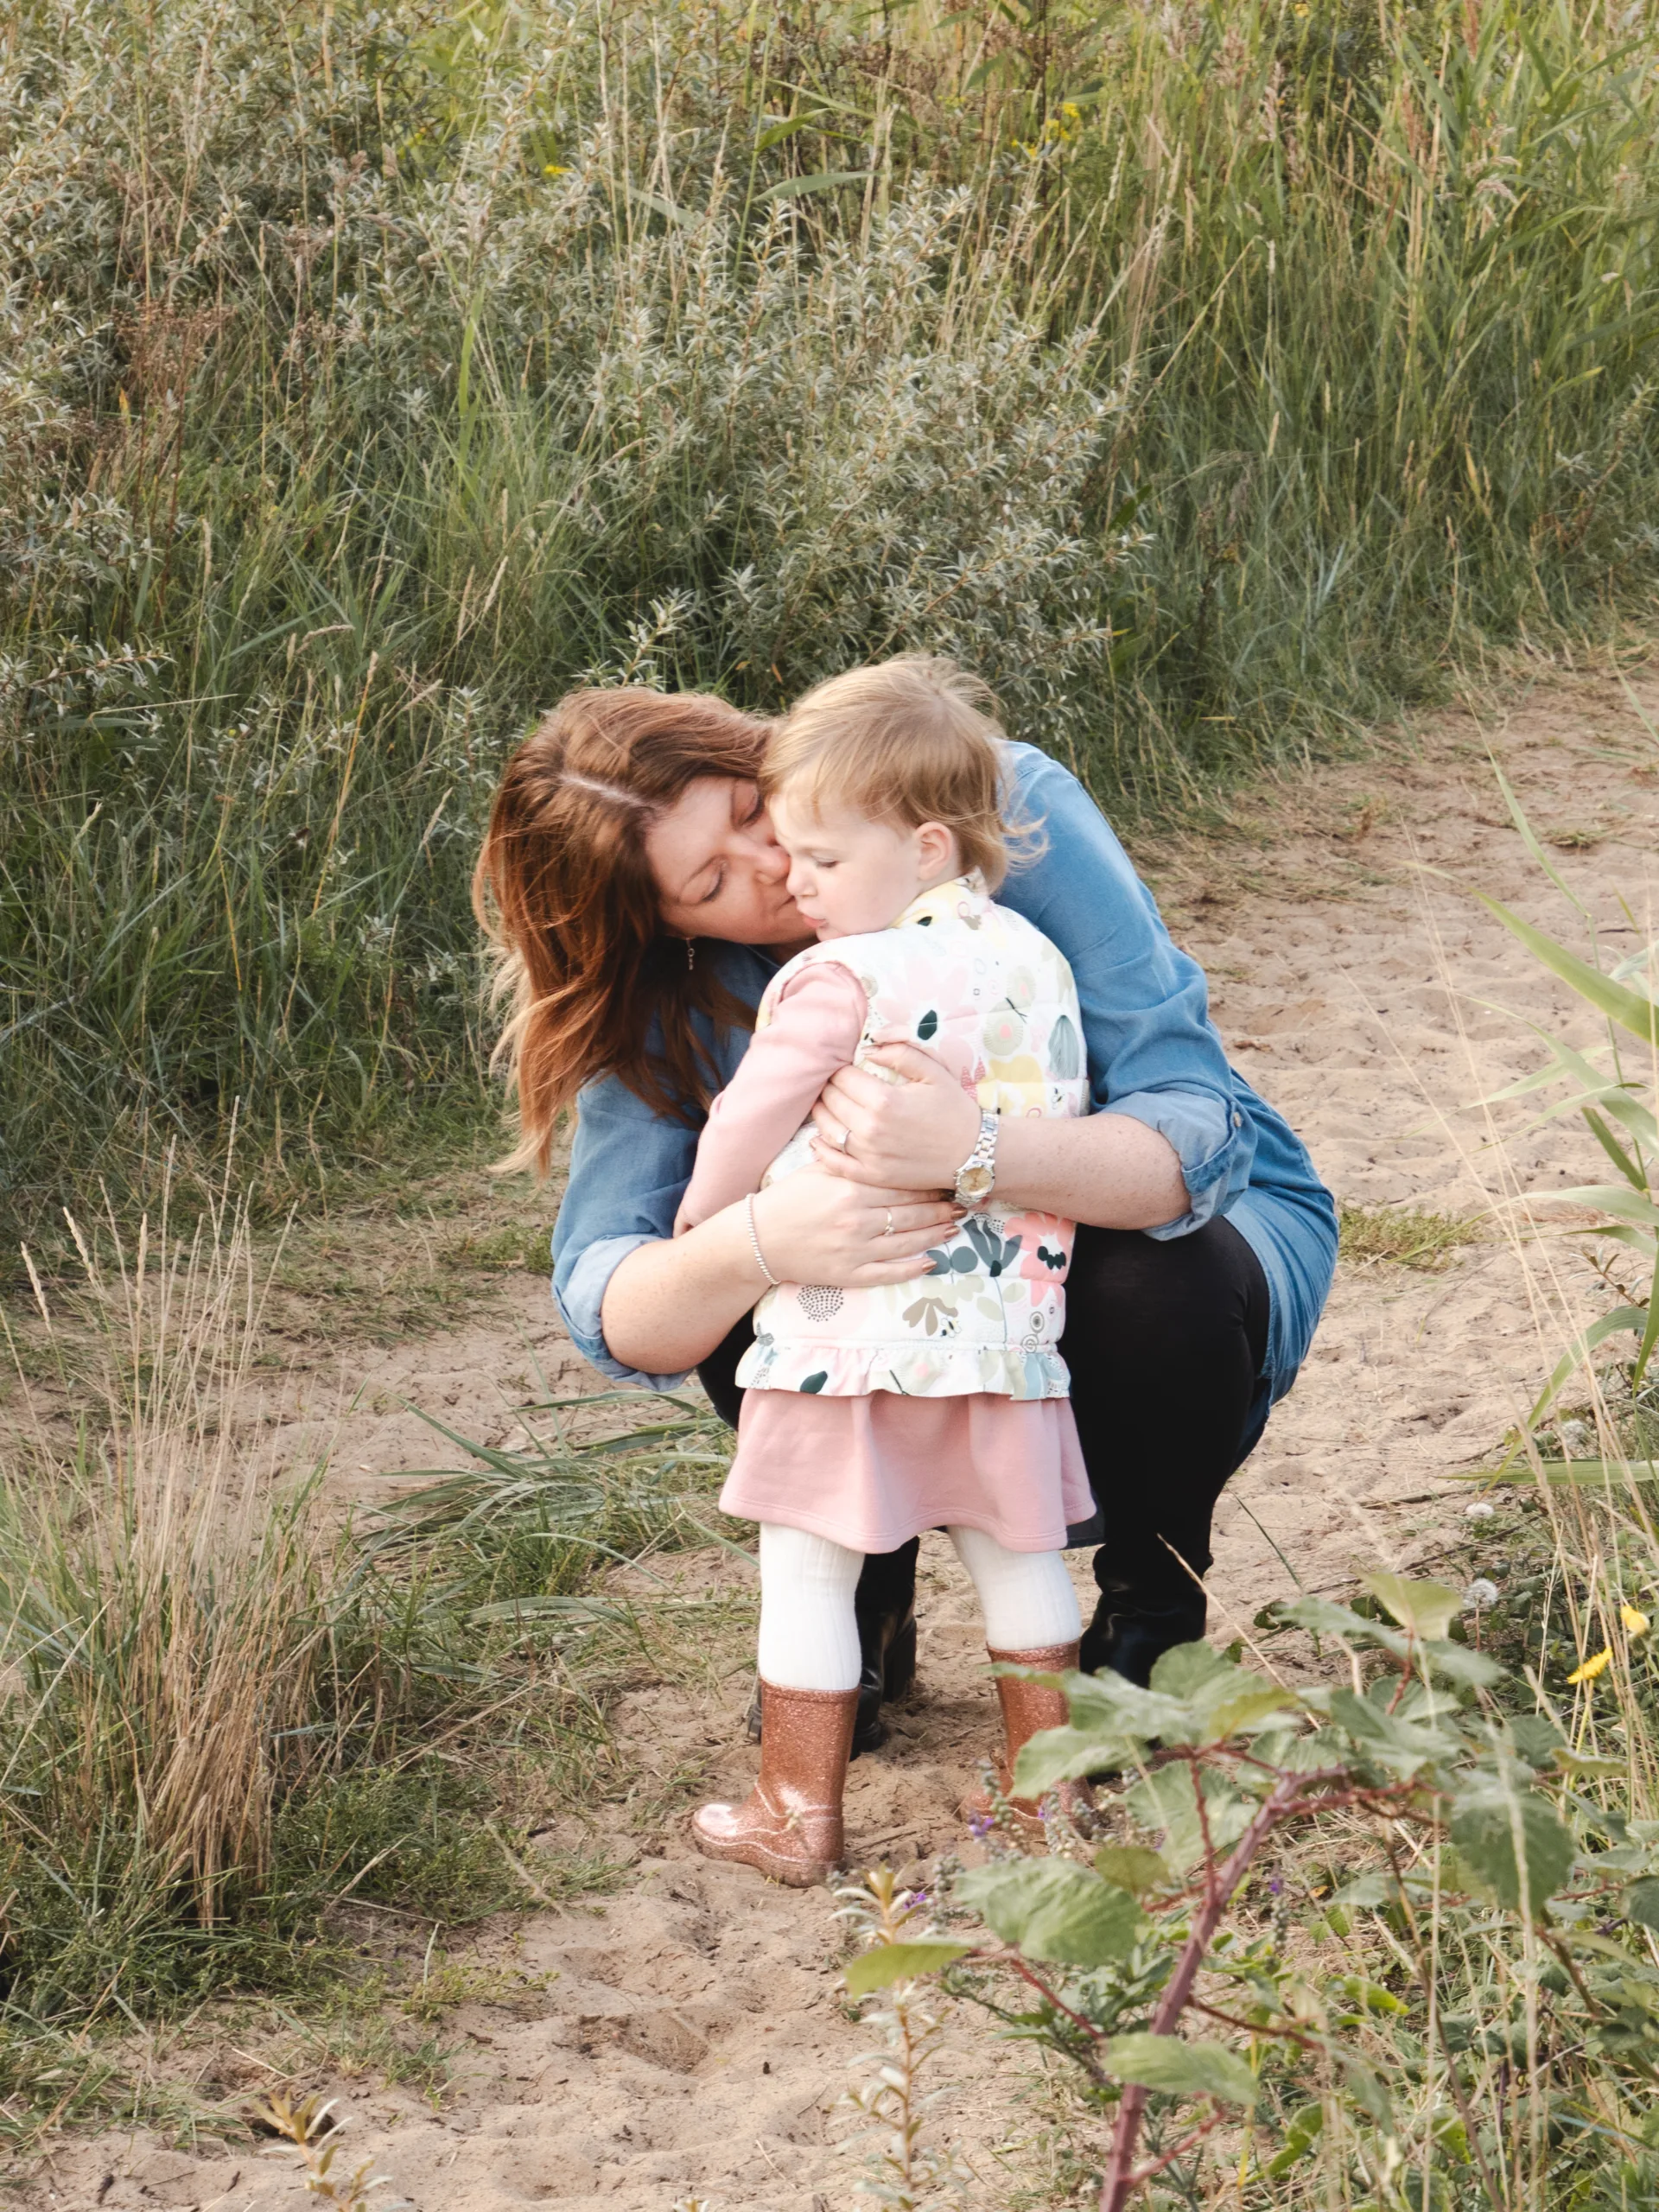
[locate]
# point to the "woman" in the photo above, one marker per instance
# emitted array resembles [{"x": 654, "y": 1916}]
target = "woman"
[{"x": 631, "y": 882}]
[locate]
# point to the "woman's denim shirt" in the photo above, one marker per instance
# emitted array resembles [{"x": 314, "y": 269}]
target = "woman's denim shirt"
[{"x": 1153, "y": 1053}]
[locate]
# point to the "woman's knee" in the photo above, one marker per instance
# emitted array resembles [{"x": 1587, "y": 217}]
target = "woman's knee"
[{"x": 1133, "y": 1300}]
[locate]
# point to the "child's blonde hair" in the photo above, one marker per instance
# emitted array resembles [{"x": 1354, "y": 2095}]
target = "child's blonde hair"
[{"x": 911, "y": 739}]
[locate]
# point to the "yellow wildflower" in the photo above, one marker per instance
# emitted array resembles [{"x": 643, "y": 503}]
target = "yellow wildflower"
[
  {"x": 1634, "y": 1620},
  {"x": 1592, "y": 1667}
]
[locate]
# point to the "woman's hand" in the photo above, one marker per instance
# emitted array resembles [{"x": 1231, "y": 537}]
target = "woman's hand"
[
  {"x": 909, "y": 1136},
  {"x": 814, "y": 1229},
  {"x": 670, "y": 1302}
]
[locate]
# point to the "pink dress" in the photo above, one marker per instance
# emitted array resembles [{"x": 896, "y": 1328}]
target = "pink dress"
[{"x": 869, "y": 1471}]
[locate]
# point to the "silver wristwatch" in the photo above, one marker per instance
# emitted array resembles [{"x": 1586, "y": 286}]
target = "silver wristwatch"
[{"x": 976, "y": 1177}]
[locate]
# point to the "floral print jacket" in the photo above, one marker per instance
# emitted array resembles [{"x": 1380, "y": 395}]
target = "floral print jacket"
[{"x": 985, "y": 992}]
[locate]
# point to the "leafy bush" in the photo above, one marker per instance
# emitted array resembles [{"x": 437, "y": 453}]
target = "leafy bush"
[
  {"x": 1207, "y": 378},
  {"x": 1501, "y": 2028}
]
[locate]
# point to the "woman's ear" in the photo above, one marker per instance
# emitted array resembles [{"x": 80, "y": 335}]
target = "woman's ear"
[{"x": 936, "y": 852}]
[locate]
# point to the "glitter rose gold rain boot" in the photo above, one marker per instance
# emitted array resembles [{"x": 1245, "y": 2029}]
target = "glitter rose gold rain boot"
[
  {"x": 1027, "y": 1709},
  {"x": 790, "y": 1824}
]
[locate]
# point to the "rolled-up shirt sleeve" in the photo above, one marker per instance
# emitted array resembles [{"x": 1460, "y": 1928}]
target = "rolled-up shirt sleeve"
[
  {"x": 628, "y": 1170},
  {"x": 1203, "y": 1135},
  {"x": 580, "y": 1301},
  {"x": 1153, "y": 1053}
]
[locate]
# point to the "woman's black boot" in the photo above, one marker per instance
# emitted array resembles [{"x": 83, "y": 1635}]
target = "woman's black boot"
[
  {"x": 1130, "y": 1638},
  {"x": 887, "y": 1654},
  {"x": 886, "y": 1648}
]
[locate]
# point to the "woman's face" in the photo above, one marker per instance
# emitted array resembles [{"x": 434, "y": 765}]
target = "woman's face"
[{"x": 719, "y": 870}]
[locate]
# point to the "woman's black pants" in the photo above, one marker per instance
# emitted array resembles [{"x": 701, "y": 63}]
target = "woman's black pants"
[{"x": 1165, "y": 1342}]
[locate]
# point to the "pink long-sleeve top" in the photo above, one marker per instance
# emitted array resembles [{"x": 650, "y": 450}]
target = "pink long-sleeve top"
[{"x": 814, "y": 1030}]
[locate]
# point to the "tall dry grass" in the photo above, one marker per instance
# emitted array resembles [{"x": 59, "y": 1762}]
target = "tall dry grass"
[{"x": 166, "y": 1613}]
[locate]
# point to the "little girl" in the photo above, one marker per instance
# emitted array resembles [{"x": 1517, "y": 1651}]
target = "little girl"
[{"x": 872, "y": 1415}]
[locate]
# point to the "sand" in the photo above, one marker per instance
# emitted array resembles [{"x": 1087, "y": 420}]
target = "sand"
[{"x": 691, "y": 2045}]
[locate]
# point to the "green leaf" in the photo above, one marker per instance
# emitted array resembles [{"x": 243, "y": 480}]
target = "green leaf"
[
  {"x": 1633, "y": 1318},
  {"x": 792, "y": 188},
  {"x": 1223, "y": 1699},
  {"x": 1642, "y": 1902},
  {"x": 1131, "y": 1866},
  {"x": 1504, "y": 1833},
  {"x": 1404, "y": 1746},
  {"x": 1632, "y": 1010},
  {"x": 1324, "y": 1618},
  {"x": 879, "y": 1968},
  {"x": 1608, "y": 1197},
  {"x": 1463, "y": 1665},
  {"x": 1587, "y": 1763},
  {"x": 1530, "y": 840},
  {"x": 1301, "y": 2132},
  {"x": 786, "y": 129},
  {"x": 1371, "y": 1996},
  {"x": 1185, "y": 1668},
  {"x": 1109, "y": 1721},
  {"x": 1187, "y": 2069},
  {"x": 1106, "y": 1702},
  {"x": 1572, "y": 1473},
  {"x": 1058, "y": 1755},
  {"x": 1165, "y": 1799},
  {"x": 1536, "y": 1738},
  {"x": 1365, "y": 2087},
  {"x": 1367, "y": 1891},
  {"x": 1053, "y": 1910},
  {"x": 1425, "y": 1609}
]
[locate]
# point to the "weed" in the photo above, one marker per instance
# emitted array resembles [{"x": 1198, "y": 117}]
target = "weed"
[
  {"x": 229, "y": 1732},
  {"x": 308, "y": 2126},
  {"x": 1406, "y": 1236}
]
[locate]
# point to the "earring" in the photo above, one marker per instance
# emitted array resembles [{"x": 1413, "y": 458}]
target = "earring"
[{"x": 690, "y": 953}]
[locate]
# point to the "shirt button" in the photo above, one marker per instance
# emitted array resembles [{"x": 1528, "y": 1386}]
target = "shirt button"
[{"x": 1239, "y": 1121}]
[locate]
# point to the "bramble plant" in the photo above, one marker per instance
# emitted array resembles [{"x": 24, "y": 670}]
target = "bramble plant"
[{"x": 1499, "y": 2053}]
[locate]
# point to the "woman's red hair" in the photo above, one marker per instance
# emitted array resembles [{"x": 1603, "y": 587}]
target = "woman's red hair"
[{"x": 564, "y": 892}]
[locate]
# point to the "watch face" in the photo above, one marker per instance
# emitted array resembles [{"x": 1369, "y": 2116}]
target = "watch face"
[{"x": 976, "y": 1183}]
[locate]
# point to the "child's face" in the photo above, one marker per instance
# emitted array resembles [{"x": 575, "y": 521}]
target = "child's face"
[{"x": 848, "y": 875}]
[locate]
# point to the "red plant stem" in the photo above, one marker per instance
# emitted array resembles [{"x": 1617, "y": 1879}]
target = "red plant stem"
[
  {"x": 1220, "y": 1882},
  {"x": 1255, "y": 2027}
]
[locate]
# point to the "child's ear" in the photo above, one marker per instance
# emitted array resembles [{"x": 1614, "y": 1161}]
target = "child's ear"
[{"x": 936, "y": 848}]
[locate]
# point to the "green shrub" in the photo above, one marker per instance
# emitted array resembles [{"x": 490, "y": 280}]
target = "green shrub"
[{"x": 1210, "y": 377}]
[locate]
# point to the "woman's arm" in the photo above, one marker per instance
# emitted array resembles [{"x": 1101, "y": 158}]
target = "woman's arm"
[
  {"x": 668, "y": 1304},
  {"x": 1109, "y": 1169}
]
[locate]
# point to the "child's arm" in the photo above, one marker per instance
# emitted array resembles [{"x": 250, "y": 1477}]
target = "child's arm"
[{"x": 814, "y": 1030}]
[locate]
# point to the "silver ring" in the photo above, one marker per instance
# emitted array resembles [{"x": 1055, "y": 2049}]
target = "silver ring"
[
  {"x": 887, "y": 1232},
  {"x": 845, "y": 1139}
]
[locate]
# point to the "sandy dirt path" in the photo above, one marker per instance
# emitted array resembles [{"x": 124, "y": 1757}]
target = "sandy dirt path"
[{"x": 691, "y": 2045}]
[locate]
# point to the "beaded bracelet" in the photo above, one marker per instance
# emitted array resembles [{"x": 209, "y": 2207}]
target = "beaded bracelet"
[{"x": 754, "y": 1241}]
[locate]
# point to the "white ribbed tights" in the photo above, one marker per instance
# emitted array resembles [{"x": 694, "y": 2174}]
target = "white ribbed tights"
[{"x": 808, "y": 1639}]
